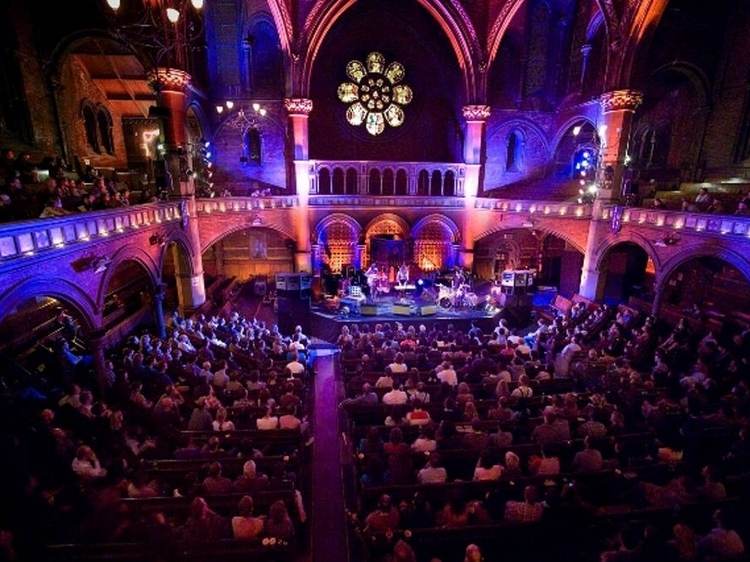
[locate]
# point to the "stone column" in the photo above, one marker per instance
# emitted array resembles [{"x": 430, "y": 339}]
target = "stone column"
[
  {"x": 170, "y": 85},
  {"x": 474, "y": 146},
  {"x": 299, "y": 110},
  {"x": 618, "y": 108},
  {"x": 161, "y": 328},
  {"x": 96, "y": 342},
  {"x": 616, "y": 122}
]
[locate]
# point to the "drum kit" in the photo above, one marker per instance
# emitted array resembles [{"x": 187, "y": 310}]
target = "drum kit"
[{"x": 461, "y": 297}]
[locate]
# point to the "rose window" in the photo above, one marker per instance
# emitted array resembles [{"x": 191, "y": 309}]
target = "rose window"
[{"x": 375, "y": 93}]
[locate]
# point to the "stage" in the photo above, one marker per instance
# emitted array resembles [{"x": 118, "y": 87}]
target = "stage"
[{"x": 326, "y": 322}]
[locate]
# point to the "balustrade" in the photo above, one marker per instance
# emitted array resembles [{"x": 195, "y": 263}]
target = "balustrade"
[
  {"x": 27, "y": 238},
  {"x": 378, "y": 178},
  {"x": 686, "y": 222}
]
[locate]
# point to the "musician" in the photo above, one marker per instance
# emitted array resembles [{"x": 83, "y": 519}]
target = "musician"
[
  {"x": 458, "y": 279},
  {"x": 402, "y": 276},
  {"x": 372, "y": 274}
]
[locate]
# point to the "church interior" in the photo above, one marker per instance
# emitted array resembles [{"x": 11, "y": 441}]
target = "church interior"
[{"x": 376, "y": 280}]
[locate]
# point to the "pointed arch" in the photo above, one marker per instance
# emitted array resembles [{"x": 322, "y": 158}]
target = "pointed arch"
[
  {"x": 284, "y": 26},
  {"x": 61, "y": 289},
  {"x": 450, "y": 16},
  {"x": 446, "y": 222},
  {"x": 336, "y": 218}
]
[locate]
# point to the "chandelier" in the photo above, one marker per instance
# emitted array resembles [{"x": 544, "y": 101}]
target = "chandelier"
[{"x": 163, "y": 29}]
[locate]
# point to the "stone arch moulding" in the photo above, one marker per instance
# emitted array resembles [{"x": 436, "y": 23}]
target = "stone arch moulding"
[
  {"x": 449, "y": 15},
  {"x": 445, "y": 221},
  {"x": 622, "y": 238},
  {"x": 643, "y": 24},
  {"x": 333, "y": 219},
  {"x": 184, "y": 247},
  {"x": 127, "y": 253},
  {"x": 733, "y": 258},
  {"x": 545, "y": 228},
  {"x": 402, "y": 224},
  {"x": 566, "y": 125},
  {"x": 284, "y": 26},
  {"x": 498, "y": 29},
  {"x": 236, "y": 227},
  {"x": 55, "y": 287}
]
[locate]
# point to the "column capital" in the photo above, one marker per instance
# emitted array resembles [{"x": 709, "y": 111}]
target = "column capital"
[
  {"x": 621, "y": 100},
  {"x": 298, "y": 106},
  {"x": 476, "y": 112},
  {"x": 169, "y": 79}
]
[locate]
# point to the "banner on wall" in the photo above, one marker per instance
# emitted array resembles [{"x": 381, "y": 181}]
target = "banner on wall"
[{"x": 258, "y": 245}]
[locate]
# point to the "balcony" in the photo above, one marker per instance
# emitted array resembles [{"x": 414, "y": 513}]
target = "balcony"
[
  {"x": 29, "y": 238},
  {"x": 379, "y": 178}
]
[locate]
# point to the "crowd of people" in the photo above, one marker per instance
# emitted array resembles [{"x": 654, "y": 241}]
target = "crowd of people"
[
  {"x": 600, "y": 409},
  {"x": 51, "y": 188},
  {"x": 77, "y": 446},
  {"x": 705, "y": 202}
]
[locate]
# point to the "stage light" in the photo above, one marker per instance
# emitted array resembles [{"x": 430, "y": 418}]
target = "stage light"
[{"x": 420, "y": 282}]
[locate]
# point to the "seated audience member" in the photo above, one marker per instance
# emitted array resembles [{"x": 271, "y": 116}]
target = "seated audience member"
[
  {"x": 268, "y": 421},
  {"x": 245, "y": 525},
  {"x": 384, "y": 518},
  {"x": 250, "y": 480},
  {"x": 526, "y": 511},
  {"x": 486, "y": 468},
  {"x": 722, "y": 542},
  {"x": 203, "y": 524},
  {"x": 418, "y": 416},
  {"x": 215, "y": 483},
  {"x": 433, "y": 472},
  {"x": 221, "y": 423},
  {"x": 425, "y": 443},
  {"x": 86, "y": 464},
  {"x": 589, "y": 459}
]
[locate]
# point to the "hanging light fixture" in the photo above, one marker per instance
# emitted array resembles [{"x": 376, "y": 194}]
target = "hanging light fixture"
[{"x": 173, "y": 15}]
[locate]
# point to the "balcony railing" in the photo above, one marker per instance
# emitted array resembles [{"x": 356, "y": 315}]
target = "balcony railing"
[
  {"x": 377, "y": 178},
  {"x": 549, "y": 209},
  {"x": 244, "y": 204},
  {"x": 728, "y": 225},
  {"x": 28, "y": 238}
]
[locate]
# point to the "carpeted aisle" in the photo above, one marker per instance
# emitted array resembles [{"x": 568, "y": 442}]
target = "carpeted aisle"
[{"x": 328, "y": 518}]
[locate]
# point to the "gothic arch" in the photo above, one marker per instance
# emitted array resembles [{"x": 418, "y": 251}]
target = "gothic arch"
[
  {"x": 184, "y": 255},
  {"x": 623, "y": 237},
  {"x": 332, "y": 219},
  {"x": 443, "y": 220},
  {"x": 388, "y": 217},
  {"x": 450, "y": 16},
  {"x": 566, "y": 126},
  {"x": 284, "y": 26},
  {"x": 283, "y": 229},
  {"x": 127, "y": 253},
  {"x": 62, "y": 289},
  {"x": 642, "y": 27},
  {"x": 728, "y": 255}
]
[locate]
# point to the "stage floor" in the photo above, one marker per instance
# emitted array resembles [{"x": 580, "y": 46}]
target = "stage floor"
[{"x": 327, "y": 324}]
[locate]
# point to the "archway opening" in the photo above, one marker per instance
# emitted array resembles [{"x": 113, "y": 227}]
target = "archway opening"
[
  {"x": 29, "y": 336},
  {"x": 708, "y": 289},
  {"x": 249, "y": 254},
  {"x": 128, "y": 295},
  {"x": 626, "y": 271}
]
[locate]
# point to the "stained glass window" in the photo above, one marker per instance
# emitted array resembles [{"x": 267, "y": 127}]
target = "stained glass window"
[{"x": 375, "y": 93}]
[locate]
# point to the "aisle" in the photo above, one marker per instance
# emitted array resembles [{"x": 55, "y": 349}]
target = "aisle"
[{"x": 328, "y": 519}]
